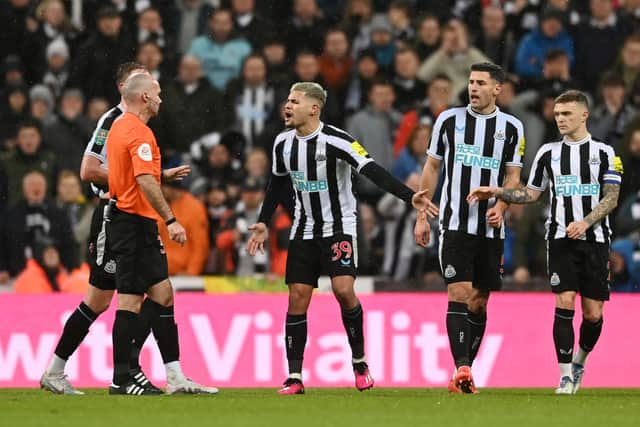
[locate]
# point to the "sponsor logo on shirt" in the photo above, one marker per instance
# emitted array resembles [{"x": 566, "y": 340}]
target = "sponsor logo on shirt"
[
  {"x": 570, "y": 185},
  {"x": 300, "y": 183},
  {"x": 101, "y": 136},
  {"x": 471, "y": 155}
]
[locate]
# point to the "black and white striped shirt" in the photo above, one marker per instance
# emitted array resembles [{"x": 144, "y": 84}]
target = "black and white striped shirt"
[
  {"x": 254, "y": 106},
  {"x": 476, "y": 149},
  {"x": 575, "y": 173},
  {"x": 320, "y": 166},
  {"x": 97, "y": 146}
]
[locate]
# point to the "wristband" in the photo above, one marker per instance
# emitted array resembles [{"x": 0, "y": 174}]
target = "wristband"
[{"x": 170, "y": 221}]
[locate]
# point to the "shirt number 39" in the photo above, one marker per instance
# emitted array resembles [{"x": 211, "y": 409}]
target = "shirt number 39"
[{"x": 342, "y": 251}]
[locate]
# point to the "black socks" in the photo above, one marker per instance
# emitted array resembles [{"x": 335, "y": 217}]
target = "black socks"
[
  {"x": 75, "y": 329},
  {"x": 352, "y": 321},
  {"x": 458, "y": 331},
  {"x": 295, "y": 338},
  {"x": 563, "y": 336}
]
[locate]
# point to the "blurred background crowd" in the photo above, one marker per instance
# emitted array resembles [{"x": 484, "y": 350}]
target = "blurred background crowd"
[{"x": 225, "y": 68}]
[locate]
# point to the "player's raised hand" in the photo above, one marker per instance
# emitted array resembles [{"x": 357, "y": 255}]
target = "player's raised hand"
[
  {"x": 421, "y": 202},
  {"x": 177, "y": 232},
  {"x": 177, "y": 173},
  {"x": 577, "y": 229},
  {"x": 258, "y": 236},
  {"x": 481, "y": 193}
]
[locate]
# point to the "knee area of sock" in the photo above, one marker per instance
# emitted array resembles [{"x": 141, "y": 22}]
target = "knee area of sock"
[{"x": 164, "y": 300}]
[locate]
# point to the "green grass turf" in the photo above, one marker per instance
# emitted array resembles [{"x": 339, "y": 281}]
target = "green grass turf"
[{"x": 326, "y": 407}]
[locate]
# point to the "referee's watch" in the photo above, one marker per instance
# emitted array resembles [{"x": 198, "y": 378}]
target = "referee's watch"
[{"x": 170, "y": 221}]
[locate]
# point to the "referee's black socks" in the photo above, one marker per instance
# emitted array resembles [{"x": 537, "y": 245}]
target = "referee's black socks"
[
  {"x": 165, "y": 331},
  {"x": 458, "y": 331},
  {"x": 123, "y": 328},
  {"x": 352, "y": 321},
  {"x": 563, "y": 335},
  {"x": 75, "y": 329},
  {"x": 295, "y": 338}
]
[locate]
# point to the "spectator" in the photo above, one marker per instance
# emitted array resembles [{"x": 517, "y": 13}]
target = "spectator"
[
  {"x": 191, "y": 108},
  {"x": 374, "y": 126},
  {"x": 96, "y": 108},
  {"x": 68, "y": 135},
  {"x": 399, "y": 15},
  {"x": 493, "y": 37},
  {"x": 218, "y": 212},
  {"x": 335, "y": 63},
  {"x": 613, "y": 114},
  {"x": 190, "y": 258},
  {"x": 31, "y": 219},
  {"x": 251, "y": 100},
  {"x": 436, "y": 100},
  {"x": 192, "y": 21},
  {"x": 359, "y": 85},
  {"x": 357, "y": 22},
  {"x": 428, "y": 37},
  {"x": 412, "y": 157},
  {"x": 534, "y": 46},
  {"x": 221, "y": 52},
  {"x": 73, "y": 203},
  {"x": 274, "y": 51},
  {"x": 305, "y": 30},
  {"x": 13, "y": 21},
  {"x": 406, "y": 85},
  {"x": 44, "y": 273},
  {"x": 595, "y": 38},
  {"x": 454, "y": 59},
  {"x": 14, "y": 111},
  {"x": 42, "y": 105},
  {"x": 250, "y": 24},
  {"x": 216, "y": 165},
  {"x": 28, "y": 155},
  {"x": 53, "y": 26},
  {"x": 625, "y": 265},
  {"x": 631, "y": 9},
  {"x": 150, "y": 55},
  {"x": 370, "y": 241},
  {"x": 12, "y": 73},
  {"x": 630, "y": 153},
  {"x": 233, "y": 241},
  {"x": 95, "y": 63},
  {"x": 403, "y": 259},
  {"x": 382, "y": 43},
  {"x": 150, "y": 29},
  {"x": 628, "y": 66},
  {"x": 257, "y": 164},
  {"x": 56, "y": 73}
]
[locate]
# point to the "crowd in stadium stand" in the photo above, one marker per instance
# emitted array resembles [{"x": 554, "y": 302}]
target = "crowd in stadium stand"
[{"x": 225, "y": 67}]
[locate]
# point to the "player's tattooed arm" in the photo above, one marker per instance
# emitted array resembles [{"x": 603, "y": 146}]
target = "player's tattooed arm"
[
  {"x": 606, "y": 205},
  {"x": 519, "y": 195}
]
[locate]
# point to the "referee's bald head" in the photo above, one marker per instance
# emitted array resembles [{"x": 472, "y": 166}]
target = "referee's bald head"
[{"x": 136, "y": 86}]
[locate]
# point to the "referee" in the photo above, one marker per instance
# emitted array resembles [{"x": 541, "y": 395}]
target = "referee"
[
  {"x": 134, "y": 184},
  {"x": 479, "y": 145},
  {"x": 584, "y": 176}
]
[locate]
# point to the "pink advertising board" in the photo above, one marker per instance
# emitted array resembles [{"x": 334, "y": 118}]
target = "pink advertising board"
[{"x": 236, "y": 341}]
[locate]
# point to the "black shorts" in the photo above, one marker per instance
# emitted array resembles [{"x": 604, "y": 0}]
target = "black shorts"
[
  {"x": 102, "y": 263},
  {"x": 307, "y": 260},
  {"x": 139, "y": 253},
  {"x": 579, "y": 266},
  {"x": 468, "y": 258}
]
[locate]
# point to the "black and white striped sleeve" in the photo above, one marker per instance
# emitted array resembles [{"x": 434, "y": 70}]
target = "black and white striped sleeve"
[
  {"x": 349, "y": 150},
  {"x": 278, "y": 167},
  {"x": 538, "y": 177},
  {"x": 438, "y": 136},
  {"x": 613, "y": 174},
  {"x": 97, "y": 144},
  {"x": 517, "y": 151}
]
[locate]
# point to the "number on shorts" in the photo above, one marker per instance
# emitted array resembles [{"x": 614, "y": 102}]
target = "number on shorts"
[{"x": 341, "y": 248}]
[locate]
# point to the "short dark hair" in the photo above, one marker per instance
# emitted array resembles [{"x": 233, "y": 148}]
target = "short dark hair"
[
  {"x": 495, "y": 71},
  {"x": 611, "y": 79},
  {"x": 573, "y": 96},
  {"x": 29, "y": 124},
  {"x": 126, "y": 68}
]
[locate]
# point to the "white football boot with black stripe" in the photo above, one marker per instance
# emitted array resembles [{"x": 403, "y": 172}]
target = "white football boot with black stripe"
[{"x": 133, "y": 389}]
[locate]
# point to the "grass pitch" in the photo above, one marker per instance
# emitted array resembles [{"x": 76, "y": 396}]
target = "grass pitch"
[{"x": 326, "y": 407}]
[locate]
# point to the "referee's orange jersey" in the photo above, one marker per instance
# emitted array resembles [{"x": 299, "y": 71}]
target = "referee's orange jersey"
[{"x": 132, "y": 151}]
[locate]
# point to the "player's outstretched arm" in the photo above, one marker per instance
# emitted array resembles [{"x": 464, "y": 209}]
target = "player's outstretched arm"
[
  {"x": 176, "y": 174},
  {"x": 520, "y": 195},
  {"x": 383, "y": 179}
]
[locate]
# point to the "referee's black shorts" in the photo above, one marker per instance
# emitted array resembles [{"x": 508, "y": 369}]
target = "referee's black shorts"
[
  {"x": 102, "y": 263},
  {"x": 140, "y": 256}
]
